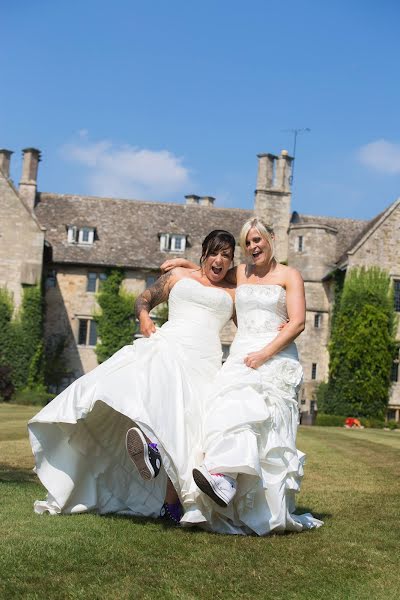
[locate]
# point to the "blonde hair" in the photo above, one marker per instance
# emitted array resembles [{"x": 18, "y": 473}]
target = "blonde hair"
[{"x": 263, "y": 229}]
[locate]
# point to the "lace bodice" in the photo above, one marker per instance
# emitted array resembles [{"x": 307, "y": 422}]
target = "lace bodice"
[{"x": 260, "y": 309}]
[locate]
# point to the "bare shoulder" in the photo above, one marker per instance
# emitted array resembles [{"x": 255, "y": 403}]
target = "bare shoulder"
[
  {"x": 291, "y": 276},
  {"x": 241, "y": 273},
  {"x": 181, "y": 272},
  {"x": 291, "y": 272}
]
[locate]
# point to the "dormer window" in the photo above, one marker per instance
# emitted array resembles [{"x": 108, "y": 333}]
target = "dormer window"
[
  {"x": 80, "y": 235},
  {"x": 172, "y": 242}
]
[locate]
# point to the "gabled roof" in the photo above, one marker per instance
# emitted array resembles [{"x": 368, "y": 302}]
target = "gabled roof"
[
  {"x": 31, "y": 214},
  {"x": 127, "y": 231},
  {"x": 372, "y": 226}
]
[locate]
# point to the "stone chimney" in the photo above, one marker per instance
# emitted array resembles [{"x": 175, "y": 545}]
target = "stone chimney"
[
  {"x": 265, "y": 176},
  {"x": 192, "y": 199},
  {"x": 206, "y": 201},
  {"x": 28, "y": 183},
  {"x": 284, "y": 171},
  {"x": 273, "y": 196},
  {"x": 5, "y": 157}
]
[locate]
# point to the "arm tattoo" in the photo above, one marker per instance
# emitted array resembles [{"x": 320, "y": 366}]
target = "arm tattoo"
[{"x": 154, "y": 295}]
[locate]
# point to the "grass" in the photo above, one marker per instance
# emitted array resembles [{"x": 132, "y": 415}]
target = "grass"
[{"x": 351, "y": 482}]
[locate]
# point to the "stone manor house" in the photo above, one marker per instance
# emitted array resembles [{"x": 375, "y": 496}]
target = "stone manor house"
[{"x": 70, "y": 241}]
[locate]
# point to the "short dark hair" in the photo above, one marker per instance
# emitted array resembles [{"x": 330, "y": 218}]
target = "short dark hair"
[{"x": 215, "y": 241}]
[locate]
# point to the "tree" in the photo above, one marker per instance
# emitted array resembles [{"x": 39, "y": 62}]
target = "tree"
[
  {"x": 362, "y": 346},
  {"x": 115, "y": 323}
]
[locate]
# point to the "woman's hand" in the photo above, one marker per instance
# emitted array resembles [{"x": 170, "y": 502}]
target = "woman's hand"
[
  {"x": 256, "y": 359},
  {"x": 171, "y": 263},
  {"x": 147, "y": 327}
]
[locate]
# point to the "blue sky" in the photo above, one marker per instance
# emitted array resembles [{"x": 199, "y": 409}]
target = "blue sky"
[{"x": 155, "y": 100}]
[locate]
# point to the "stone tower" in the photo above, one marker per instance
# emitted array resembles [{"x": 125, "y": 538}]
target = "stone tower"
[{"x": 273, "y": 197}]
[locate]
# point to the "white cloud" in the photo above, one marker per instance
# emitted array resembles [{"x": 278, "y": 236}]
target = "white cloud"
[
  {"x": 381, "y": 156},
  {"x": 127, "y": 171}
]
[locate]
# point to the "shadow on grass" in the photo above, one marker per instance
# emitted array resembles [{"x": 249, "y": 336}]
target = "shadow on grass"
[
  {"x": 198, "y": 530},
  {"x": 16, "y": 475},
  {"x": 300, "y": 510}
]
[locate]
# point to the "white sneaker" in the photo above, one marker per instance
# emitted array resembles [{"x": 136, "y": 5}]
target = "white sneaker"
[{"x": 220, "y": 488}]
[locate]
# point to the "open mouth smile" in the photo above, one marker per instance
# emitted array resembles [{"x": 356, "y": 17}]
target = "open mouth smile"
[{"x": 216, "y": 270}]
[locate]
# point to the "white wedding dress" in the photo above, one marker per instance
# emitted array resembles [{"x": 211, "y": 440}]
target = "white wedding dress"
[
  {"x": 250, "y": 426},
  {"x": 159, "y": 383}
]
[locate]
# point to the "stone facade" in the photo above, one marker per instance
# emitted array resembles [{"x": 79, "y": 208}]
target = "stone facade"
[
  {"x": 75, "y": 239},
  {"x": 21, "y": 238}
]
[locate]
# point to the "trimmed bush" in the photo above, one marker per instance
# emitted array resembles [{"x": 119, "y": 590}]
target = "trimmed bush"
[
  {"x": 330, "y": 420},
  {"x": 36, "y": 397},
  {"x": 325, "y": 420}
]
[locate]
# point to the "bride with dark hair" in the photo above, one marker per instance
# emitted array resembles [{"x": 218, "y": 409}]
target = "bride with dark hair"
[{"x": 153, "y": 389}]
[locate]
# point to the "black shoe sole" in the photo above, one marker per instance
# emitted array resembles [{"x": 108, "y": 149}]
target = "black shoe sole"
[
  {"x": 205, "y": 486},
  {"x": 137, "y": 448}
]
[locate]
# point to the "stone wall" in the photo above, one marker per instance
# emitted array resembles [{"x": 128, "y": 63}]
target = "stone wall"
[
  {"x": 21, "y": 243},
  {"x": 312, "y": 343}
]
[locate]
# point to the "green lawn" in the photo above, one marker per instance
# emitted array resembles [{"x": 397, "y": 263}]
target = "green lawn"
[{"x": 351, "y": 482}]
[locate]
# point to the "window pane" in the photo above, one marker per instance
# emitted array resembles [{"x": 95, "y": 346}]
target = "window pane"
[
  {"x": 314, "y": 371},
  {"x": 92, "y": 333},
  {"x": 300, "y": 243},
  {"x": 394, "y": 376},
  {"x": 317, "y": 320},
  {"x": 91, "y": 282},
  {"x": 178, "y": 243},
  {"x": 85, "y": 235},
  {"x": 396, "y": 285},
  {"x": 83, "y": 327}
]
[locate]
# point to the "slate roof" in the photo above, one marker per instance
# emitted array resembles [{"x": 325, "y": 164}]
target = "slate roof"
[
  {"x": 127, "y": 231},
  {"x": 348, "y": 230}
]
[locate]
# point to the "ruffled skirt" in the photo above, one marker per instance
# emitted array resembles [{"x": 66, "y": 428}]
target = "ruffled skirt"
[
  {"x": 250, "y": 429},
  {"x": 78, "y": 440}
]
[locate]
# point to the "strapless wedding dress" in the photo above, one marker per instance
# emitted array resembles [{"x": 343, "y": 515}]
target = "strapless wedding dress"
[
  {"x": 159, "y": 383},
  {"x": 250, "y": 426}
]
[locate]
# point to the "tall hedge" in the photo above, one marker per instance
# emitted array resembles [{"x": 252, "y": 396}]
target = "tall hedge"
[
  {"x": 115, "y": 323},
  {"x": 6, "y": 311},
  {"x": 362, "y": 346},
  {"x": 21, "y": 338}
]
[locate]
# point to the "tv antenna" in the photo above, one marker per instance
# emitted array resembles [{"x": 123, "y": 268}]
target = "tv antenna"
[{"x": 295, "y": 133}]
